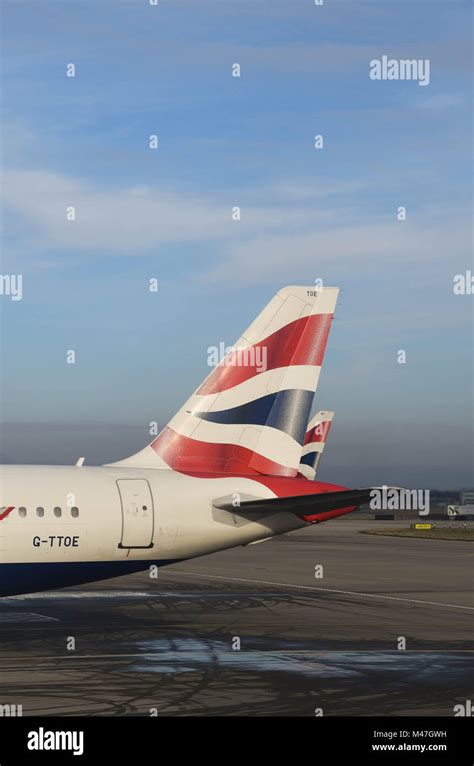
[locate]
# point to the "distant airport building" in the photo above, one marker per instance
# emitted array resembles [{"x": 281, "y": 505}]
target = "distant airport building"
[{"x": 465, "y": 509}]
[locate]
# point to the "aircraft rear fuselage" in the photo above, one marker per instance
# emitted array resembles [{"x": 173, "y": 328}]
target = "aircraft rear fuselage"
[{"x": 66, "y": 525}]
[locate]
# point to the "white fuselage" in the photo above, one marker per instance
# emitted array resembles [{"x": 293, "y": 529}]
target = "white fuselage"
[{"x": 76, "y": 524}]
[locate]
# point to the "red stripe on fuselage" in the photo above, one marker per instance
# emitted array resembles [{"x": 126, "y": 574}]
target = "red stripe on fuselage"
[
  {"x": 203, "y": 460},
  {"x": 289, "y": 487},
  {"x": 6, "y": 512},
  {"x": 301, "y": 486},
  {"x": 282, "y": 486},
  {"x": 317, "y": 518}
]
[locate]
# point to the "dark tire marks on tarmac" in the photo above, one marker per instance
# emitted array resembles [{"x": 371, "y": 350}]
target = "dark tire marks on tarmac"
[{"x": 167, "y": 643}]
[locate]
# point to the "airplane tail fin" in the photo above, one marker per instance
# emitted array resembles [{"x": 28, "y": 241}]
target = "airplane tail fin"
[
  {"x": 250, "y": 413},
  {"x": 314, "y": 442}
]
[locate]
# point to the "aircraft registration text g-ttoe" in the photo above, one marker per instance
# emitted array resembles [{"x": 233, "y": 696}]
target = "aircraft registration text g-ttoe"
[{"x": 56, "y": 541}]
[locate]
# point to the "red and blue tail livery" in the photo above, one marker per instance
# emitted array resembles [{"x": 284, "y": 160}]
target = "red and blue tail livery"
[
  {"x": 234, "y": 466},
  {"x": 251, "y": 412},
  {"x": 314, "y": 442}
]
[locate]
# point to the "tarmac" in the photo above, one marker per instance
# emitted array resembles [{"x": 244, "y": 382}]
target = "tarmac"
[{"x": 323, "y": 621}]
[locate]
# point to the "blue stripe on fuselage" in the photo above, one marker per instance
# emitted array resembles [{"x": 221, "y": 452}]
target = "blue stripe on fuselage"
[{"x": 16, "y": 579}]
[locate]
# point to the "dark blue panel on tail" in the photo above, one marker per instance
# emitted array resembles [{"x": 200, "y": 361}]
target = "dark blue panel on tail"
[
  {"x": 287, "y": 411},
  {"x": 309, "y": 459}
]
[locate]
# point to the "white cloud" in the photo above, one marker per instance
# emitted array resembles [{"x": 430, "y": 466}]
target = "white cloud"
[
  {"x": 138, "y": 219},
  {"x": 439, "y": 101},
  {"x": 121, "y": 220},
  {"x": 341, "y": 249},
  {"x": 299, "y": 228}
]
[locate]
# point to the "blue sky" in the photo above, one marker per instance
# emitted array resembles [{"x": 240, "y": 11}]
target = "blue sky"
[{"x": 306, "y": 213}]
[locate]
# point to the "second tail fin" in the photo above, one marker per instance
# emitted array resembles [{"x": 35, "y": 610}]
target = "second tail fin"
[{"x": 314, "y": 442}]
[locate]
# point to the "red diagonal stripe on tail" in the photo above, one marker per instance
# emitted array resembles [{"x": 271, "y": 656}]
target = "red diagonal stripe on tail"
[
  {"x": 319, "y": 433},
  {"x": 184, "y": 454},
  {"x": 300, "y": 342}
]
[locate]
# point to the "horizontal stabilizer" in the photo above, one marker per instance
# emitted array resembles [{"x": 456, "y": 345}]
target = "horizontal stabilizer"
[{"x": 307, "y": 505}]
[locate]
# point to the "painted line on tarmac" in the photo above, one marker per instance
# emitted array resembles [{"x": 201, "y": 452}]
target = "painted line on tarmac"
[{"x": 323, "y": 590}]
